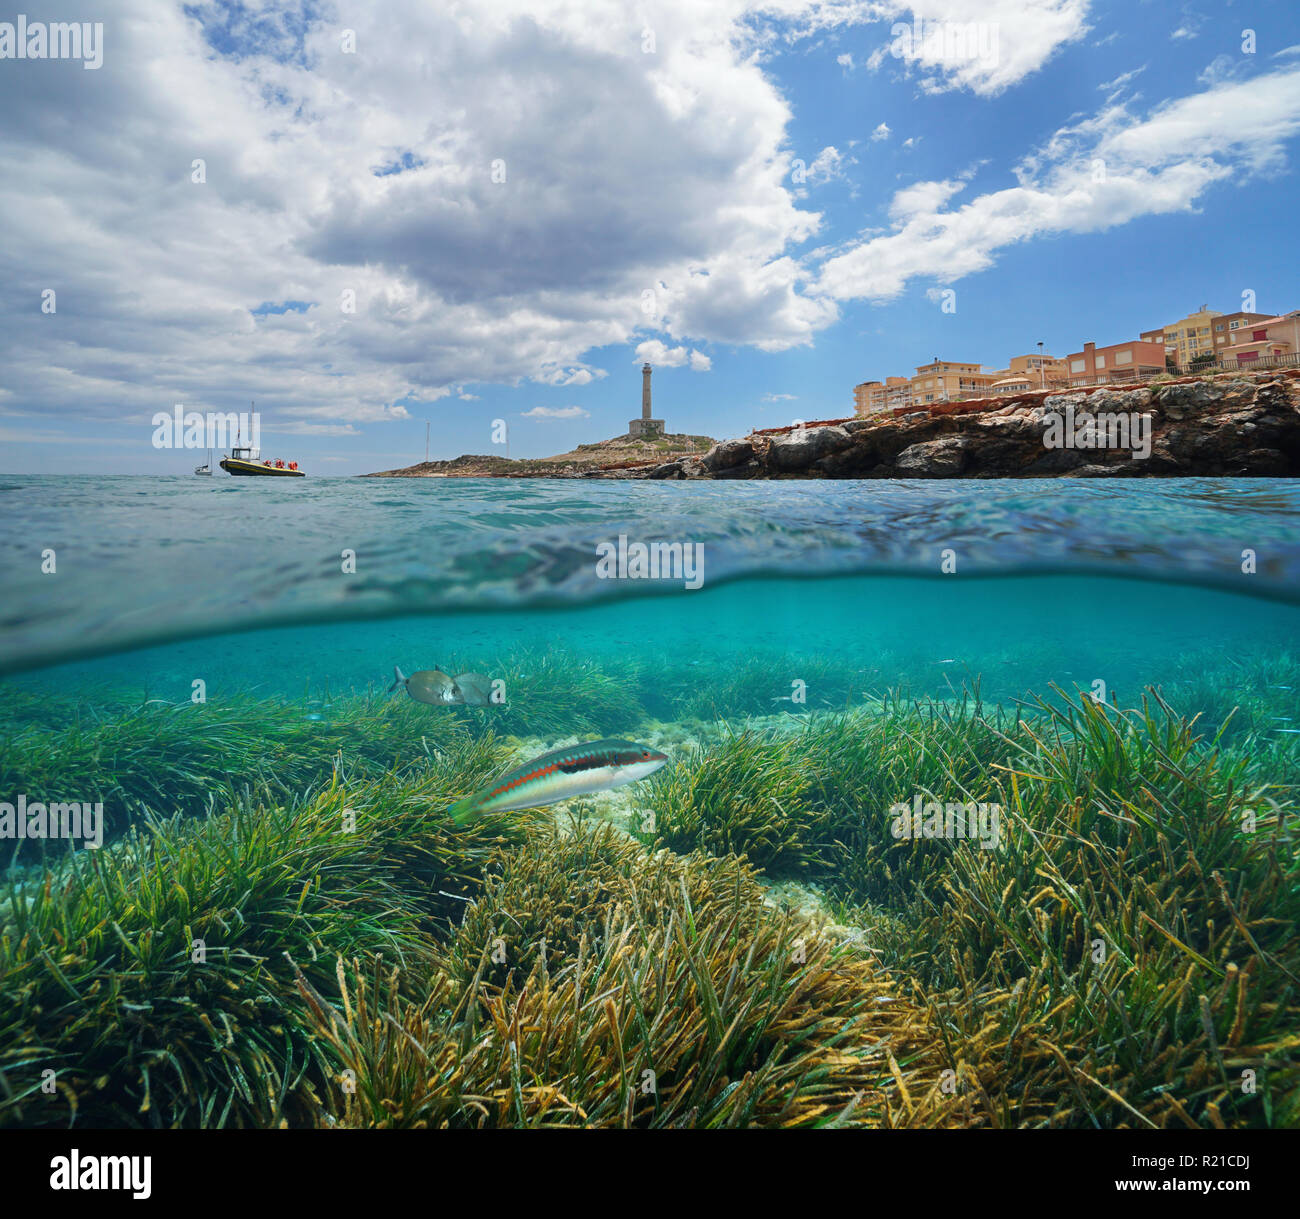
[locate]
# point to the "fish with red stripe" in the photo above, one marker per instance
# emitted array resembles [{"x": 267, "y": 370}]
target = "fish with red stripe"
[{"x": 579, "y": 770}]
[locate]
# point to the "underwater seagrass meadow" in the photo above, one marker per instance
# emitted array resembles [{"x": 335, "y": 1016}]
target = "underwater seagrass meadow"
[{"x": 283, "y": 927}]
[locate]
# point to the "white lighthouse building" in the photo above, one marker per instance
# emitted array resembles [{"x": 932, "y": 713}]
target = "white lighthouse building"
[{"x": 645, "y": 426}]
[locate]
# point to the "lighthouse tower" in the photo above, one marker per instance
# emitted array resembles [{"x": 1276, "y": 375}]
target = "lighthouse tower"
[{"x": 645, "y": 427}]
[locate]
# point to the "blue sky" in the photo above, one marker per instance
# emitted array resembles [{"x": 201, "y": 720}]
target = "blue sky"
[{"x": 504, "y": 196}]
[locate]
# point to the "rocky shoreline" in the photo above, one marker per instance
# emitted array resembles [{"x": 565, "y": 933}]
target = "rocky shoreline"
[{"x": 1236, "y": 426}]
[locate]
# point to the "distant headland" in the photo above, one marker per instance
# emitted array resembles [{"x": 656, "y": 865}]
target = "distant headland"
[
  {"x": 619, "y": 453},
  {"x": 646, "y": 443}
]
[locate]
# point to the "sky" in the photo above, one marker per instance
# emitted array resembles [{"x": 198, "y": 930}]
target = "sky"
[{"x": 369, "y": 218}]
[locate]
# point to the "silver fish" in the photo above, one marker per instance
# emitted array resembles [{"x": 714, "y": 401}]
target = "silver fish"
[
  {"x": 427, "y": 686},
  {"x": 475, "y": 689}
]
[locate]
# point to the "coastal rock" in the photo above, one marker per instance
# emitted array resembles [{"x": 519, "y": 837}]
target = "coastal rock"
[
  {"x": 1099, "y": 472},
  {"x": 1060, "y": 403},
  {"x": 670, "y": 469},
  {"x": 1178, "y": 401},
  {"x": 1262, "y": 463},
  {"x": 1118, "y": 400},
  {"x": 751, "y": 469},
  {"x": 726, "y": 454},
  {"x": 1245, "y": 426},
  {"x": 944, "y": 458},
  {"x": 1041, "y": 462},
  {"x": 1025, "y": 425},
  {"x": 798, "y": 451}
]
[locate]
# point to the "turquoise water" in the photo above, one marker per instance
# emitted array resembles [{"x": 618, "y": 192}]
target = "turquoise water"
[
  {"x": 1126, "y": 576},
  {"x": 1015, "y": 634}
]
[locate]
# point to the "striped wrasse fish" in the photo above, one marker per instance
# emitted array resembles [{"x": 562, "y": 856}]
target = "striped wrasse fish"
[{"x": 562, "y": 774}]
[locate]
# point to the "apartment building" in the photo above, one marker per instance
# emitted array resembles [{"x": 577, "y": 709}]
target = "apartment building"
[
  {"x": 1132, "y": 361},
  {"x": 1188, "y": 337},
  {"x": 1269, "y": 339},
  {"x": 877, "y": 397},
  {"x": 1225, "y": 337},
  {"x": 1040, "y": 370},
  {"x": 1226, "y": 326},
  {"x": 950, "y": 381}
]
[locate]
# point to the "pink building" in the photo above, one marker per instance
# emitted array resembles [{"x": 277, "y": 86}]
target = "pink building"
[{"x": 1260, "y": 342}]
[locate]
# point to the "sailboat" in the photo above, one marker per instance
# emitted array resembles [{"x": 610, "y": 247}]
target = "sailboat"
[{"x": 206, "y": 467}]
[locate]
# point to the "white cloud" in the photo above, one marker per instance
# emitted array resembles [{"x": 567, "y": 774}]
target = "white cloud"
[
  {"x": 780, "y": 397},
  {"x": 515, "y": 235},
  {"x": 1124, "y": 78},
  {"x": 985, "y": 46},
  {"x": 568, "y": 376},
  {"x": 827, "y": 165},
  {"x": 299, "y": 428},
  {"x": 845, "y": 61},
  {"x": 737, "y": 299},
  {"x": 1101, "y": 172},
  {"x": 922, "y": 197},
  {"x": 653, "y": 351},
  {"x": 556, "y": 412},
  {"x": 1222, "y": 68},
  {"x": 1182, "y": 33},
  {"x": 881, "y": 132}
]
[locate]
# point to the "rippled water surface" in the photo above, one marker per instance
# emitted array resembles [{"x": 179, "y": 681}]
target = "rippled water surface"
[{"x": 140, "y": 562}]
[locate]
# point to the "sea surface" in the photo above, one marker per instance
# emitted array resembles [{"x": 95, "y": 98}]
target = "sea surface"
[{"x": 277, "y": 586}]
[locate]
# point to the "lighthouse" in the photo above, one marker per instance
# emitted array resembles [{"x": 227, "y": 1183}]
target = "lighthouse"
[{"x": 645, "y": 427}]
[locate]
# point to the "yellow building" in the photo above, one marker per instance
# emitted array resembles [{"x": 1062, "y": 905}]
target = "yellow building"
[
  {"x": 954, "y": 381},
  {"x": 1187, "y": 338},
  {"x": 1039, "y": 370},
  {"x": 876, "y": 397},
  {"x": 950, "y": 381}
]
